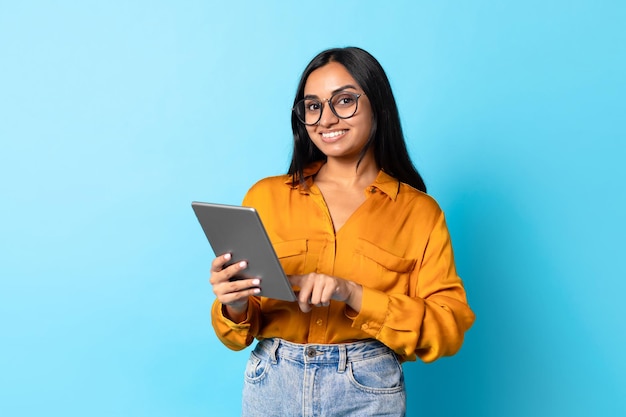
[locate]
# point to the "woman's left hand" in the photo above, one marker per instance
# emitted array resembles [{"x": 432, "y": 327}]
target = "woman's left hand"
[{"x": 318, "y": 289}]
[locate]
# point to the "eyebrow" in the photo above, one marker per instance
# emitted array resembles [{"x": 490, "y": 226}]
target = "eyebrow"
[{"x": 344, "y": 87}]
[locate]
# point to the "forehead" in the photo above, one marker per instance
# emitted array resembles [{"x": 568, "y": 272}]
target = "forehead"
[{"x": 327, "y": 79}]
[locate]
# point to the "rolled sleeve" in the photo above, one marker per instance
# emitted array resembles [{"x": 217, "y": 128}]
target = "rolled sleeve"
[{"x": 235, "y": 336}]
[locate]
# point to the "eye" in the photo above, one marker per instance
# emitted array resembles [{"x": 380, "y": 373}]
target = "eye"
[
  {"x": 344, "y": 100},
  {"x": 312, "y": 106}
]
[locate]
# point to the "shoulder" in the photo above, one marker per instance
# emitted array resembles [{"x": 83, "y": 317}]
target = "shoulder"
[
  {"x": 269, "y": 185},
  {"x": 418, "y": 203},
  {"x": 410, "y": 195},
  {"x": 272, "y": 182}
]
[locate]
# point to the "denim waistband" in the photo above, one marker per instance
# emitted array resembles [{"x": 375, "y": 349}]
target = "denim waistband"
[{"x": 321, "y": 353}]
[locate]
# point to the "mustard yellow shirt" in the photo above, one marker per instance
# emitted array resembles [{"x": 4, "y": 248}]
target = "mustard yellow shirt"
[{"x": 396, "y": 245}]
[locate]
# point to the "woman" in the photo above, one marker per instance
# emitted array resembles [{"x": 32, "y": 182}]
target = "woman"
[{"x": 364, "y": 246}]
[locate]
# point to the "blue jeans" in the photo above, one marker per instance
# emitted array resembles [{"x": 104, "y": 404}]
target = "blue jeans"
[{"x": 285, "y": 379}]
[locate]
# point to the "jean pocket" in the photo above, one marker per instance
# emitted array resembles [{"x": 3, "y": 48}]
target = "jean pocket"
[
  {"x": 381, "y": 374},
  {"x": 256, "y": 368}
]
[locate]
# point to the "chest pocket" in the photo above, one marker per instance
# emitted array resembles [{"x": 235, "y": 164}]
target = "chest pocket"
[
  {"x": 383, "y": 270},
  {"x": 292, "y": 255}
]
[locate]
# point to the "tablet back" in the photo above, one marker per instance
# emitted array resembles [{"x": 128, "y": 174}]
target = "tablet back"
[{"x": 239, "y": 231}]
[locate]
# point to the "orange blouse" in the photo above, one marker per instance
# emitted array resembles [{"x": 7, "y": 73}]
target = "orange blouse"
[{"x": 396, "y": 245}]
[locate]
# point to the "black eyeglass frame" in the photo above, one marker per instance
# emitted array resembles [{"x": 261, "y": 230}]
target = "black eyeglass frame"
[{"x": 330, "y": 106}]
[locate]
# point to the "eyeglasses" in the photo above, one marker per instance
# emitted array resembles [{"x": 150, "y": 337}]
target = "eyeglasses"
[{"x": 342, "y": 104}]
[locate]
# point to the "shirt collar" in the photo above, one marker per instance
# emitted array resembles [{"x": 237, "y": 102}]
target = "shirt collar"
[
  {"x": 308, "y": 172},
  {"x": 387, "y": 184},
  {"x": 383, "y": 182}
]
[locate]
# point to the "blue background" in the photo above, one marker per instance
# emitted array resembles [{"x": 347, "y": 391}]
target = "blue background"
[{"x": 115, "y": 115}]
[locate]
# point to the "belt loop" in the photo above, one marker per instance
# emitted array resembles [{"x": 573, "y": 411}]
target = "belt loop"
[
  {"x": 343, "y": 358},
  {"x": 274, "y": 349}
]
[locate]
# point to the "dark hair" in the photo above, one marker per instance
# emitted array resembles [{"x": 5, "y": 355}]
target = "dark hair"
[{"x": 386, "y": 137}]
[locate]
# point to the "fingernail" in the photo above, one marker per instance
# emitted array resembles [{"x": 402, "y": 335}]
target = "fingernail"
[
  {"x": 227, "y": 256},
  {"x": 242, "y": 264},
  {"x": 256, "y": 281},
  {"x": 256, "y": 290}
]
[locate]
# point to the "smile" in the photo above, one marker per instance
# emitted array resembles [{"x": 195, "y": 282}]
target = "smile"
[{"x": 334, "y": 134}]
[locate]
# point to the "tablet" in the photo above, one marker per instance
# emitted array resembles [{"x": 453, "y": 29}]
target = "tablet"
[{"x": 238, "y": 230}]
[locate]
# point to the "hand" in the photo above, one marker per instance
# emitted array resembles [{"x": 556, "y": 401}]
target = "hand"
[
  {"x": 318, "y": 289},
  {"x": 233, "y": 294}
]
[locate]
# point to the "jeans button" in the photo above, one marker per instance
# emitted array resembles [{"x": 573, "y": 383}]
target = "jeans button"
[{"x": 310, "y": 352}]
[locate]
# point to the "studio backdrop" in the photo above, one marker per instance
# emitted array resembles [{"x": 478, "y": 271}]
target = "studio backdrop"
[{"x": 115, "y": 115}]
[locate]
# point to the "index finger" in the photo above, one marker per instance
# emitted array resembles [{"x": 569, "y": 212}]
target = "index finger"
[{"x": 218, "y": 263}]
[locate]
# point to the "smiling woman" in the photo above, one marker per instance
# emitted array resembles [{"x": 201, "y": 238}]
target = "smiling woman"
[{"x": 375, "y": 275}]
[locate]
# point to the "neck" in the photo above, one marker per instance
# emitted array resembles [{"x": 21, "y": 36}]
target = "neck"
[{"x": 347, "y": 173}]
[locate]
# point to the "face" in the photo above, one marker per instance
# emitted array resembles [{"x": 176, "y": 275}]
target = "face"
[{"x": 338, "y": 138}]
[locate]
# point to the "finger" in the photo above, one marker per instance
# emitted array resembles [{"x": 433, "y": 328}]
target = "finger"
[
  {"x": 305, "y": 307},
  {"x": 317, "y": 292},
  {"x": 327, "y": 294},
  {"x": 227, "y": 274},
  {"x": 304, "y": 296},
  {"x": 237, "y": 286},
  {"x": 219, "y": 262},
  {"x": 230, "y": 294},
  {"x": 232, "y": 271},
  {"x": 238, "y": 297}
]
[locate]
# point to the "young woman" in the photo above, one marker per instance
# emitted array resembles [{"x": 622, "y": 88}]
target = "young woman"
[{"x": 364, "y": 246}]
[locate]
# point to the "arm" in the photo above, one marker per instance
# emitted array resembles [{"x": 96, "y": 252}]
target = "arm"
[{"x": 429, "y": 321}]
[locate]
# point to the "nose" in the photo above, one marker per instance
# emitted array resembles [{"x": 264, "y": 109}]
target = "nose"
[{"x": 328, "y": 117}]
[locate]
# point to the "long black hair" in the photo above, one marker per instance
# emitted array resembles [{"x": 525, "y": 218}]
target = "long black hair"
[{"x": 386, "y": 137}]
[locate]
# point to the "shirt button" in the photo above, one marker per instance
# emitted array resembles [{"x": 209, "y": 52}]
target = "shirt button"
[
  {"x": 364, "y": 326},
  {"x": 319, "y": 322}
]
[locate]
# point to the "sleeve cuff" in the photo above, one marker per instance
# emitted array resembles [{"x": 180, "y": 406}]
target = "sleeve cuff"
[
  {"x": 244, "y": 325},
  {"x": 374, "y": 307}
]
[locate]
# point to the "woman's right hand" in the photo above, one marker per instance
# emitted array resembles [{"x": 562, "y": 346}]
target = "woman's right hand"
[{"x": 232, "y": 293}]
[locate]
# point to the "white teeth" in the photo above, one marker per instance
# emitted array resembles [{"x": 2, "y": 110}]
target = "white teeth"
[{"x": 333, "y": 134}]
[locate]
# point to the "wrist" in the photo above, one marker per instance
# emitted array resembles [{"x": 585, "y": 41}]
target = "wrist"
[
  {"x": 355, "y": 296},
  {"x": 235, "y": 314}
]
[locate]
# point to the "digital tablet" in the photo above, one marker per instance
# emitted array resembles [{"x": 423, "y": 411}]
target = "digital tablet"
[{"x": 239, "y": 231}]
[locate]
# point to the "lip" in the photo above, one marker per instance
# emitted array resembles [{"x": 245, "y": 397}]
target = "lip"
[{"x": 335, "y": 135}]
